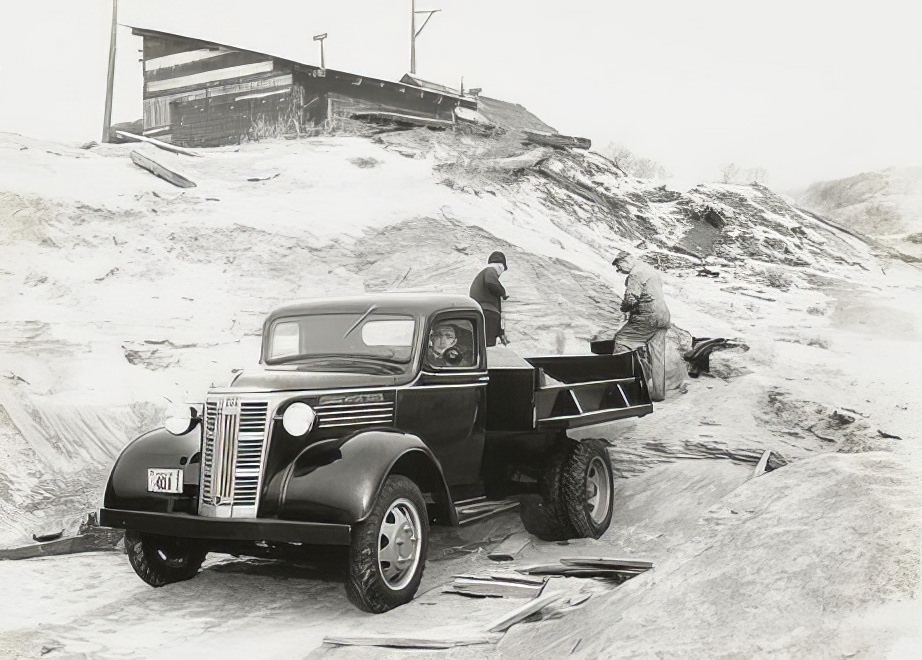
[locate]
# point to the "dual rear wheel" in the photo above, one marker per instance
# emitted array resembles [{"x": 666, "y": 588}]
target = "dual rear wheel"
[{"x": 577, "y": 491}]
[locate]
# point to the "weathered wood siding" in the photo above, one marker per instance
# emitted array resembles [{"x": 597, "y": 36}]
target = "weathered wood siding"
[
  {"x": 339, "y": 94},
  {"x": 178, "y": 72},
  {"x": 198, "y": 93}
]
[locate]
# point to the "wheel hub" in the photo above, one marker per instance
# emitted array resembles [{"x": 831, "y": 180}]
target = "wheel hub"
[
  {"x": 399, "y": 544},
  {"x": 598, "y": 496}
]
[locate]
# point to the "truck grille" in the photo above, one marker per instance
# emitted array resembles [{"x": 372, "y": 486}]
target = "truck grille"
[
  {"x": 232, "y": 454},
  {"x": 345, "y": 416}
]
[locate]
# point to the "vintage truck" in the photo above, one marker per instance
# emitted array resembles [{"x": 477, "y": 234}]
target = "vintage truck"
[{"x": 351, "y": 433}]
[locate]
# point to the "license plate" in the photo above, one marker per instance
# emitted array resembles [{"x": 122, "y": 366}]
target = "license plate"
[{"x": 162, "y": 480}]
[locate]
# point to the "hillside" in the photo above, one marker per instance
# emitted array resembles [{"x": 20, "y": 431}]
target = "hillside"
[
  {"x": 886, "y": 205},
  {"x": 119, "y": 291}
]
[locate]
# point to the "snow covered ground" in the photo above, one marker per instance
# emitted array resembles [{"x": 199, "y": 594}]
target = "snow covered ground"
[{"x": 118, "y": 290}]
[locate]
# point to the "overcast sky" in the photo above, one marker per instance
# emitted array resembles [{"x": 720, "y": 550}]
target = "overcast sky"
[{"x": 806, "y": 89}]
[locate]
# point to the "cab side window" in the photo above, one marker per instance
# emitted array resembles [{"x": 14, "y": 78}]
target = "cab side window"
[{"x": 451, "y": 344}]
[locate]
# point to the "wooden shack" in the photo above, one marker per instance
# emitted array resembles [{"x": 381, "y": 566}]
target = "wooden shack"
[{"x": 201, "y": 93}]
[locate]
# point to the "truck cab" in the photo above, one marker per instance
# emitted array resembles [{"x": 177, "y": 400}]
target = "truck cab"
[{"x": 368, "y": 419}]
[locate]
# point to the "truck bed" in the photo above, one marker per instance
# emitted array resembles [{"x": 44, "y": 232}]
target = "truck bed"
[{"x": 563, "y": 391}]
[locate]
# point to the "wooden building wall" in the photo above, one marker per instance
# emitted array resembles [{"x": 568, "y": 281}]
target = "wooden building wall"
[
  {"x": 339, "y": 94},
  {"x": 179, "y": 70},
  {"x": 198, "y": 93}
]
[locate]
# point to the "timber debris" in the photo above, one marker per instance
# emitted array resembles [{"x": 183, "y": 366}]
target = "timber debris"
[{"x": 158, "y": 169}]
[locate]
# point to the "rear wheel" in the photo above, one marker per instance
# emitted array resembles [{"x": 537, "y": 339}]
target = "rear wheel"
[
  {"x": 388, "y": 551},
  {"x": 160, "y": 560},
  {"x": 548, "y": 520},
  {"x": 587, "y": 487}
]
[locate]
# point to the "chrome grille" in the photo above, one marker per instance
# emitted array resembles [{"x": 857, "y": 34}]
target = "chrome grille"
[
  {"x": 343, "y": 416},
  {"x": 232, "y": 455}
]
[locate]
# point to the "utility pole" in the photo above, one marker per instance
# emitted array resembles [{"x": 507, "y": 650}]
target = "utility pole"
[
  {"x": 320, "y": 38},
  {"x": 110, "y": 80},
  {"x": 415, "y": 33}
]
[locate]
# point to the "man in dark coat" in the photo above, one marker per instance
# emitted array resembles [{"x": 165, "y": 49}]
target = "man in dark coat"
[{"x": 487, "y": 290}]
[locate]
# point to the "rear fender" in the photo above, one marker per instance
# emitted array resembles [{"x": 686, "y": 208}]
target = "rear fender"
[
  {"x": 127, "y": 486},
  {"x": 337, "y": 481}
]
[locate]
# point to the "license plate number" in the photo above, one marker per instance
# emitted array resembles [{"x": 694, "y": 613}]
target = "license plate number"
[{"x": 161, "y": 480}]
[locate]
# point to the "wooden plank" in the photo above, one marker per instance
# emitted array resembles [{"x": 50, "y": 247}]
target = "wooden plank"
[
  {"x": 166, "y": 146},
  {"x": 762, "y": 464},
  {"x": 164, "y": 173},
  {"x": 214, "y": 75},
  {"x": 558, "y": 140},
  {"x": 409, "y": 642},
  {"x": 523, "y": 612},
  {"x": 511, "y": 547},
  {"x": 582, "y": 571},
  {"x": 607, "y": 562},
  {"x": 490, "y": 587},
  {"x": 184, "y": 57}
]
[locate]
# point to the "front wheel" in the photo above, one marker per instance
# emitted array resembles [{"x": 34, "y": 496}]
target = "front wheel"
[
  {"x": 160, "y": 560},
  {"x": 388, "y": 551},
  {"x": 587, "y": 486}
]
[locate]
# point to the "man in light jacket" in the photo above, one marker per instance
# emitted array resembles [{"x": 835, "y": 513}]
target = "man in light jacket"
[
  {"x": 648, "y": 317},
  {"x": 487, "y": 290}
]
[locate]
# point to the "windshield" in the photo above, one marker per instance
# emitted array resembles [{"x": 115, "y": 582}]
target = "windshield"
[{"x": 366, "y": 341}]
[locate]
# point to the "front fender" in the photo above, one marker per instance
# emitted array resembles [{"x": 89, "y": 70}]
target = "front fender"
[
  {"x": 127, "y": 486},
  {"x": 337, "y": 481}
]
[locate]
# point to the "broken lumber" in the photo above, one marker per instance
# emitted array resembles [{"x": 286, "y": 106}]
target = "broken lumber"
[
  {"x": 607, "y": 562},
  {"x": 495, "y": 588},
  {"x": 523, "y": 612},
  {"x": 165, "y": 173},
  {"x": 409, "y": 642},
  {"x": 762, "y": 464},
  {"x": 166, "y": 146},
  {"x": 510, "y": 547},
  {"x": 557, "y": 140}
]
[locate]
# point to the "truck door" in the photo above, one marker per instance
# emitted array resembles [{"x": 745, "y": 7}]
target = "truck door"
[{"x": 446, "y": 407}]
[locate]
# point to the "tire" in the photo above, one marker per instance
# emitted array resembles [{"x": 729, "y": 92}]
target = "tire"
[
  {"x": 587, "y": 487},
  {"x": 550, "y": 521},
  {"x": 388, "y": 552},
  {"x": 160, "y": 560}
]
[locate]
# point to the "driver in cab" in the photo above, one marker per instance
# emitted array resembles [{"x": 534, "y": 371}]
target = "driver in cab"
[{"x": 443, "y": 347}]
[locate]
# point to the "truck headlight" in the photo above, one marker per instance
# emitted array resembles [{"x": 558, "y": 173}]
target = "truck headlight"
[
  {"x": 298, "y": 419},
  {"x": 180, "y": 419}
]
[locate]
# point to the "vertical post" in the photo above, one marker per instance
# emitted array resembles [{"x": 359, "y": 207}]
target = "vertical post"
[
  {"x": 110, "y": 78},
  {"x": 413, "y": 36},
  {"x": 320, "y": 38}
]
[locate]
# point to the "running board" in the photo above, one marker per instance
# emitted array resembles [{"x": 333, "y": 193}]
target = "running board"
[{"x": 479, "y": 508}]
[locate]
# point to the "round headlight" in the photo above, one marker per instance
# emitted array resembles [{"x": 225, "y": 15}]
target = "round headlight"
[
  {"x": 180, "y": 419},
  {"x": 298, "y": 419}
]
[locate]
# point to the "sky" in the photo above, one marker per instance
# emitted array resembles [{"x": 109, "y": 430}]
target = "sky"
[{"x": 805, "y": 90}]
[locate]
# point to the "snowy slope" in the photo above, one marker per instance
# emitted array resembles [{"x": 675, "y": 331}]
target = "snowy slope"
[
  {"x": 118, "y": 290},
  {"x": 886, "y": 205},
  {"x": 121, "y": 292}
]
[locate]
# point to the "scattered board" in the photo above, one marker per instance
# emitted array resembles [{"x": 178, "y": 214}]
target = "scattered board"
[{"x": 162, "y": 171}]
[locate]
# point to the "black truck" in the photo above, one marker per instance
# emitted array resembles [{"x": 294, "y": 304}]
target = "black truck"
[{"x": 369, "y": 419}]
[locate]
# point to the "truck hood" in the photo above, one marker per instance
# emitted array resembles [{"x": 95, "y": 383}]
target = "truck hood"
[{"x": 290, "y": 379}]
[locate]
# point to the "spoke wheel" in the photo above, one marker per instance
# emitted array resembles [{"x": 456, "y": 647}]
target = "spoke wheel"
[{"x": 388, "y": 551}]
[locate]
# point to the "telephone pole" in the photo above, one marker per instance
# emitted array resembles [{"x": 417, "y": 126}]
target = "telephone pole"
[
  {"x": 110, "y": 79},
  {"x": 415, "y": 33}
]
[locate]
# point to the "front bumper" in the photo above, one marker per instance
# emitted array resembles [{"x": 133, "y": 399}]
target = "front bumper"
[{"x": 185, "y": 525}]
